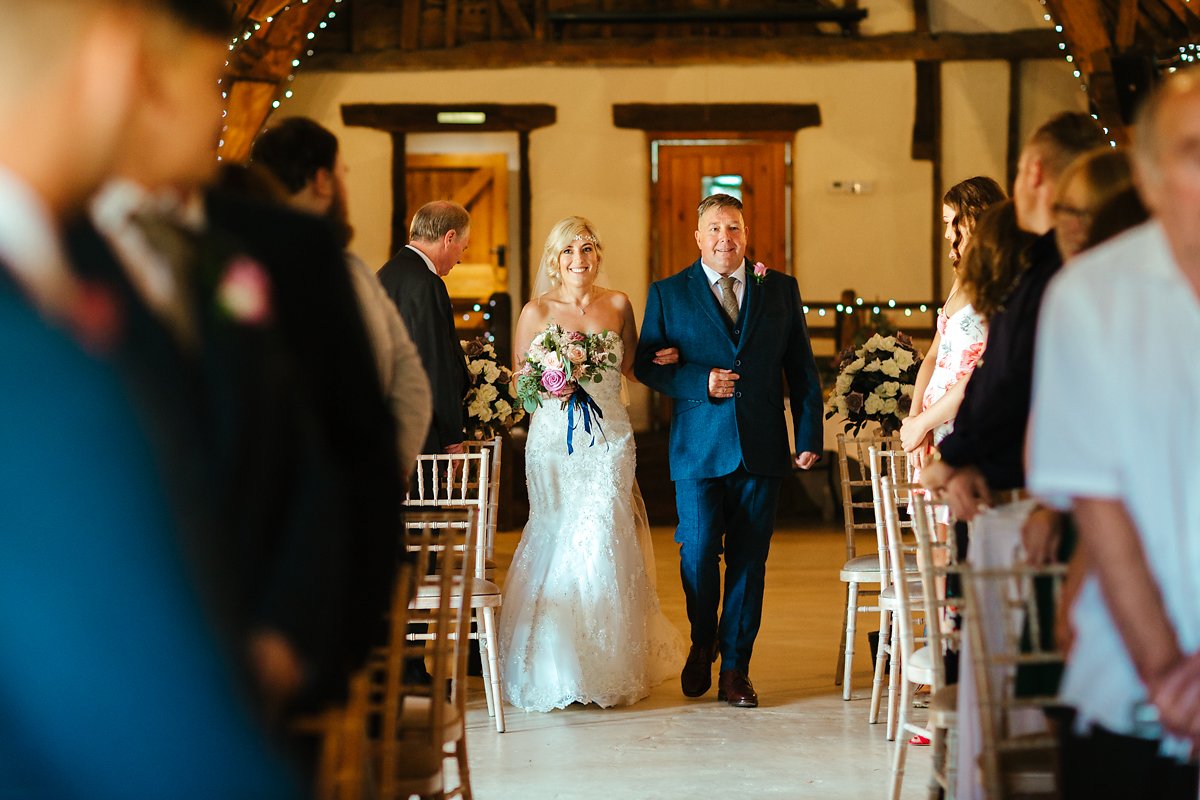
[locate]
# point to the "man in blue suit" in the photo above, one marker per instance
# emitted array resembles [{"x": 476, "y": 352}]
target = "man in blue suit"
[{"x": 737, "y": 336}]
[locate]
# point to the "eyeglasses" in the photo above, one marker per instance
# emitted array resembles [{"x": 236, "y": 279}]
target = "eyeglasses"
[{"x": 1080, "y": 214}]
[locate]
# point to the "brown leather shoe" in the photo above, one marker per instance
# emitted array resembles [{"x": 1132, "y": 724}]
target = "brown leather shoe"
[
  {"x": 734, "y": 687},
  {"x": 696, "y": 678}
]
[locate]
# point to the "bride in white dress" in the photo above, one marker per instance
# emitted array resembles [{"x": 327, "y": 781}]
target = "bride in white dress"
[{"x": 581, "y": 621}]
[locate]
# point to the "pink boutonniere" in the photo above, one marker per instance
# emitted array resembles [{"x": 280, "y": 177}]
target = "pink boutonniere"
[
  {"x": 760, "y": 272},
  {"x": 244, "y": 292}
]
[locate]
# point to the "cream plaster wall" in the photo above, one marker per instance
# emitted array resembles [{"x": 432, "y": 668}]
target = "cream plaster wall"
[{"x": 877, "y": 243}]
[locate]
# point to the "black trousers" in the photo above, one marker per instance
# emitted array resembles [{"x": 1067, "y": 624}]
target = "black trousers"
[{"x": 1103, "y": 764}]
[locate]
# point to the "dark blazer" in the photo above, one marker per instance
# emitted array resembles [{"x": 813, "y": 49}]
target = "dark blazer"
[
  {"x": 262, "y": 512},
  {"x": 713, "y": 437},
  {"x": 323, "y": 331},
  {"x": 424, "y": 304}
]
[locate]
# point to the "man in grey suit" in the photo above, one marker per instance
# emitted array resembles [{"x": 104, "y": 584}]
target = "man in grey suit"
[{"x": 439, "y": 233}]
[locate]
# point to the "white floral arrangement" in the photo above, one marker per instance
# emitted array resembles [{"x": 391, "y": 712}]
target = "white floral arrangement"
[
  {"x": 490, "y": 406},
  {"x": 875, "y": 383}
]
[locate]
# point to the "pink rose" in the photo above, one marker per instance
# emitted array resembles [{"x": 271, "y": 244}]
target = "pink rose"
[
  {"x": 760, "y": 270},
  {"x": 553, "y": 381},
  {"x": 575, "y": 353},
  {"x": 245, "y": 291},
  {"x": 575, "y": 336}
]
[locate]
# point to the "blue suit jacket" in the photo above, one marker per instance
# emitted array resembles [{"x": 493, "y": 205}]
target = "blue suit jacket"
[{"x": 713, "y": 437}]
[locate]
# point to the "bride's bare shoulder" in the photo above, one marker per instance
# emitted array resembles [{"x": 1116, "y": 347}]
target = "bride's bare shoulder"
[{"x": 536, "y": 311}]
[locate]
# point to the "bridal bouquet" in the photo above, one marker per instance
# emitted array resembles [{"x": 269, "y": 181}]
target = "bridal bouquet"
[
  {"x": 489, "y": 406},
  {"x": 875, "y": 383},
  {"x": 557, "y": 364}
]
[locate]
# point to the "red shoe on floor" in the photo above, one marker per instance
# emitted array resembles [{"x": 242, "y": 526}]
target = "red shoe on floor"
[{"x": 919, "y": 741}]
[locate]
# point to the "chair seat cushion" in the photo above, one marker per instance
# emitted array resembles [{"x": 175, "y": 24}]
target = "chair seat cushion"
[
  {"x": 914, "y": 592},
  {"x": 865, "y": 569},
  {"x": 919, "y": 668},
  {"x": 483, "y": 593}
]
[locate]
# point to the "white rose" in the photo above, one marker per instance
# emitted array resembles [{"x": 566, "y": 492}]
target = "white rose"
[
  {"x": 873, "y": 404},
  {"x": 872, "y": 344},
  {"x": 839, "y": 405},
  {"x": 887, "y": 343},
  {"x": 888, "y": 389},
  {"x": 479, "y": 410},
  {"x": 550, "y": 360},
  {"x": 889, "y": 407},
  {"x": 490, "y": 371},
  {"x": 856, "y": 365},
  {"x": 872, "y": 367},
  {"x": 843, "y": 383},
  {"x": 503, "y": 409},
  {"x": 907, "y": 390},
  {"x": 890, "y": 368},
  {"x": 487, "y": 393},
  {"x": 904, "y": 359},
  {"x": 475, "y": 367}
]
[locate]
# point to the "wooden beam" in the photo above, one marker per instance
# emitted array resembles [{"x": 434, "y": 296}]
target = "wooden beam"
[
  {"x": 927, "y": 111},
  {"x": 716, "y": 116},
  {"x": 1013, "y": 143},
  {"x": 410, "y": 25},
  {"x": 1184, "y": 12},
  {"x": 450, "y": 18},
  {"x": 399, "y": 191},
  {"x": 1127, "y": 16},
  {"x": 921, "y": 16},
  {"x": 525, "y": 200},
  {"x": 680, "y": 51},
  {"x": 423, "y": 117},
  {"x": 517, "y": 18}
]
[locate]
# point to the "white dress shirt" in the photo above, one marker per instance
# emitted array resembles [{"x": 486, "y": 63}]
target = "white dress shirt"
[
  {"x": 30, "y": 244},
  {"x": 1116, "y": 415},
  {"x": 739, "y": 282},
  {"x": 112, "y": 211}
]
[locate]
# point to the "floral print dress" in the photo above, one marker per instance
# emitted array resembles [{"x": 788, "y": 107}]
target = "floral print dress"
[{"x": 963, "y": 338}]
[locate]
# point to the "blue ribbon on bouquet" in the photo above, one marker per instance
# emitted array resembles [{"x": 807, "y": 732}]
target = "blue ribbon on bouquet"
[{"x": 587, "y": 409}]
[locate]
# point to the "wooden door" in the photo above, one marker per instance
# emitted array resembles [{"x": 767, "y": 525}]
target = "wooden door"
[
  {"x": 479, "y": 182},
  {"x": 685, "y": 171}
]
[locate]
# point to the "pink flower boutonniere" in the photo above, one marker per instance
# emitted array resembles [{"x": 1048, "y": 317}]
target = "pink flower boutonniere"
[
  {"x": 760, "y": 272},
  {"x": 245, "y": 292}
]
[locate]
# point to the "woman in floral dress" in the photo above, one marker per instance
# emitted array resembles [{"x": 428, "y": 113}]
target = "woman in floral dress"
[{"x": 961, "y": 331}]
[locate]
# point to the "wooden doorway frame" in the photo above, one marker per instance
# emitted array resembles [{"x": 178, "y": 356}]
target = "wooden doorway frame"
[
  {"x": 401, "y": 119},
  {"x": 711, "y": 123}
]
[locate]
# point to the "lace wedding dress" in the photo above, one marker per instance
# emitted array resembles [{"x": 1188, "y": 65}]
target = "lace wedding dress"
[{"x": 581, "y": 621}]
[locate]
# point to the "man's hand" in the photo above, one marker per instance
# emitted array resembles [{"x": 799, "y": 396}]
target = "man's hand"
[
  {"x": 935, "y": 476},
  {"x": 1177, "y": 697},
  {"x": 667, "y": 355},
  {"x": 807, "y": 459},
  {"x": 913, "y": 434},
  {"x": 1041, "y": 534},
  {"x": 721, "y": 383},
  {"x": 966, "y": 492}
]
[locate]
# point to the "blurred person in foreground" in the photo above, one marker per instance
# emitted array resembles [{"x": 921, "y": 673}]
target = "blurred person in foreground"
[
  {"x": 1117, "y": 325},
  {"x": 305, "y": 157},
  {"x": 112, "y": 683},
  {"x": 247, "y": 447}
]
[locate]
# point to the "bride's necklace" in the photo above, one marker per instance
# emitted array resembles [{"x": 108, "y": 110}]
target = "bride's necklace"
[{"x": 582, "y": 308}]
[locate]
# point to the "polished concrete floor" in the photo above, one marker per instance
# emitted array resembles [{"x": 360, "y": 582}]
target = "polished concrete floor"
[{"x": 803, "y": 741}]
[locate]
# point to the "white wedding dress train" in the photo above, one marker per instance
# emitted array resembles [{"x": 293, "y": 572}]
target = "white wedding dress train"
[{"x": 581, "y": 621}]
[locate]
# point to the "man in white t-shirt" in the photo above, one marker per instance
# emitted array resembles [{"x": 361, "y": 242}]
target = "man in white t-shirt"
[{"x": 1116, "y": 422}]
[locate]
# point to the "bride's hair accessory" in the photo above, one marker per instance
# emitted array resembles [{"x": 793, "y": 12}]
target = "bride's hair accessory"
[{"x": 586, "y": 237}]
